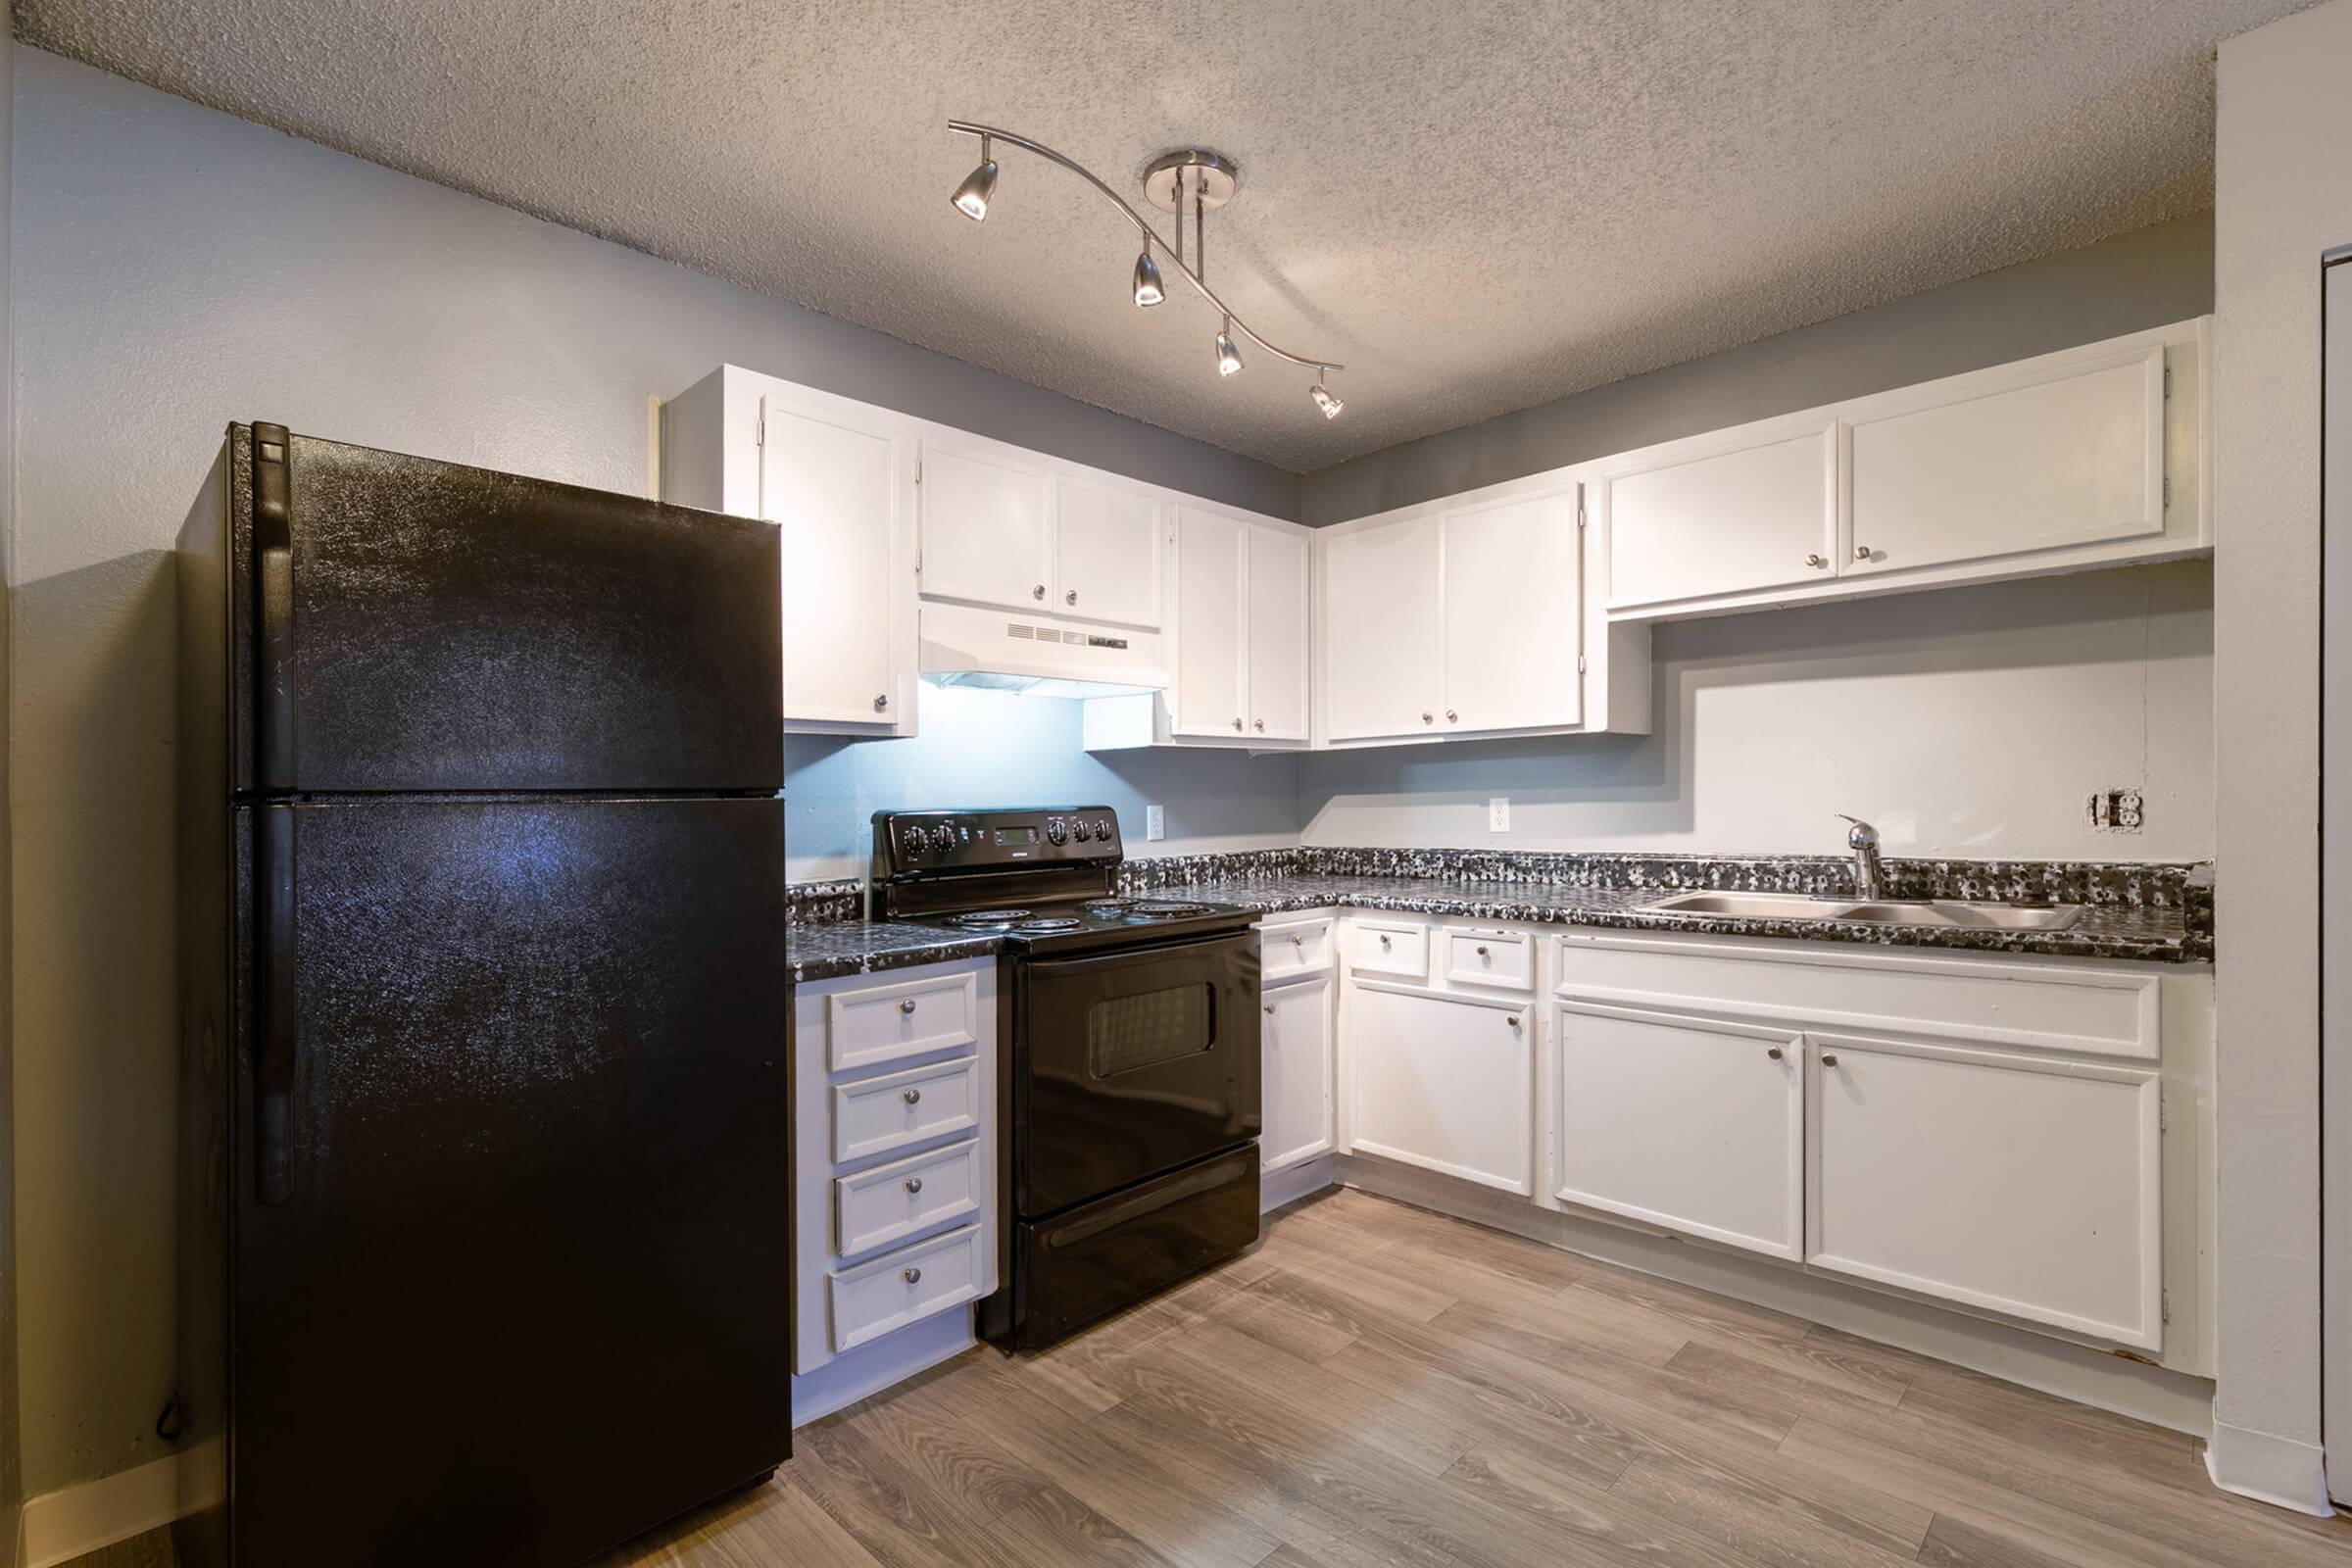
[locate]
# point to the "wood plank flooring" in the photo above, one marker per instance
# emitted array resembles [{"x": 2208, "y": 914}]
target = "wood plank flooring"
[{"x": 1378, "y": 1385}]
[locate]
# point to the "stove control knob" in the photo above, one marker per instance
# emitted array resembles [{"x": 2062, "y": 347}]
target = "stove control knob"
[
  {"x": 919, "y": 838},
  {"x": 1057, "y": 831},
  {"x": 1103, "y": 830}
]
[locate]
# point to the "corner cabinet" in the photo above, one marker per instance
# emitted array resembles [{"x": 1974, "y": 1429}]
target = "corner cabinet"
[
  {"x": 838, "y": 478},
  {"x": 1473, "y": 616},
  {"x": 2089, "y": 456}
]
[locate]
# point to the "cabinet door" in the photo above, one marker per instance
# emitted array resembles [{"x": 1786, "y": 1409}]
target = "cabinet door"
[
  {"x": 1106, "y": 553},
  {"x": 1210, "y": 686},
  {"x": 2071, "y": 456},
  {"x": 1514, "y": 606},
  {"x": 2013, "y": 1183},
  {"x": 1449, "y": 1086},
  {"x": 1759, "y": 516},
  {"x": 1276, "y": 645},
  {"x": 1684, "y": 1122},
  {"x": 1383, "y": 651},
  {"x": 841, "y": 494},
  {"x": 1297, "y": 1073},
  {"x": 985, "y": 529}
]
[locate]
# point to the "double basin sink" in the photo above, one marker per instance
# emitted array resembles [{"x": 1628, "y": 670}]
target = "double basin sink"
[{"x": 1949, "y": 914}]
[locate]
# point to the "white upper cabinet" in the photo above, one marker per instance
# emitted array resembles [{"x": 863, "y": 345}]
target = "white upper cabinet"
[
  {"x": 986, "y": 527},
  {"x": 1210, "y": 684},
  {"x": 1760, "y": 512},
  {"x": 1384, "y": 631},
  {"x": 1275, "y": 561},
  {"x": 1514, "y": 601},
  {"x": 837, "y": 479},
  {"x": 1106, "y": 553},
  {"x": 2063, "y": 454}
]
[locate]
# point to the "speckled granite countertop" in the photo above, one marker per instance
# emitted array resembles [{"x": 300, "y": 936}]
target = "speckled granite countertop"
[
  {"x": 826, "y": 949},
  {"x": 2106, "y": 931}
]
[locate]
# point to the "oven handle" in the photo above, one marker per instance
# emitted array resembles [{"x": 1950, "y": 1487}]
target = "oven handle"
[{"x": 1126, "y": 958}]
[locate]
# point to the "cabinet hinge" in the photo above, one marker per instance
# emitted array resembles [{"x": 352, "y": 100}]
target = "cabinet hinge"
[
  {"x": 2164, "y": 1306},
  {"x": 918, "y": 467},
  {"x": 2167, "y": 380},
  {"x": 760, "y": 428},
  {"x": 2164, "y": 1117},
  {"x": 2168, "y": 489},
  {"x": 1580, "y": 664}
]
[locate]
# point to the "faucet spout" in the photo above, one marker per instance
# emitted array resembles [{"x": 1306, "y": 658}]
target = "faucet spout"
[{"x": 1870, "y": 876}]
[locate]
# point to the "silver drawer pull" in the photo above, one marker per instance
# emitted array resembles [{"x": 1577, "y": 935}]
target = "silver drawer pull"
[
  {"x": 1384, "y": 940},
  {"x": 907, "y": 1006},
  {"x": 914, "y": 1184},
  {"x": 1481, "y": 953},
  {"x": 913, "y": 1276},
  {"x": 912, "y": 1096}
]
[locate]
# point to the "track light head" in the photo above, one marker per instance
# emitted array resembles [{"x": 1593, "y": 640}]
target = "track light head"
[
  {"x": 1147, "y": 279},
  {"x": 1229, "y": 357},
  {"x": 971, "y": 197},
  {"x": 1330, "y": 405}
]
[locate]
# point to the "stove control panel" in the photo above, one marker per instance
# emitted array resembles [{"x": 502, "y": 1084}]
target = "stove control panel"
[{"x": 914, "y": 841}]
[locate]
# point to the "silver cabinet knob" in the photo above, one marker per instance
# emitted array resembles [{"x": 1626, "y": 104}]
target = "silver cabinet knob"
[
  {"x": 1452, "y": 717},
  {"x": 1383, "y": 939},
  {"x": 1259, "y": 724},
  {"x": 907, "y": 1006},
  {"x": 1481, "y": 953},
  {"x": 1816, "y": 562},
  {"x": 1038, "y": 592},
  {"x": 1429, "y": 718},
  {"x": 1297, "y": 941},
  {"x": 912, "y": 1096},
  {"x": 914, "y": 1184},
  {"x": 1070, "y": 597},
  {"x": 1774, "y": 1051},
  {"x": 1512, "y": 1019},
  {"x": 1827, "y": 1060},
  {"x": 1237, "y": 723},
  {"x": 912, "y": 1276},
  {"x": 1861, "y": 552},
  {"x": 1269, "y": 1009},
  {"x": 882, "y": 703}
]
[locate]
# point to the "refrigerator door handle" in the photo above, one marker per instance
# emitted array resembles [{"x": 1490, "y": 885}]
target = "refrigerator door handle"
[
  {"x": 274, "y": 1041},
  {"x": 273, "y": 557}
]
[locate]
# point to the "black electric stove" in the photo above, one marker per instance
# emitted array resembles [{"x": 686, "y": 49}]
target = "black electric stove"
[{"x": 1128, "y": 1032}]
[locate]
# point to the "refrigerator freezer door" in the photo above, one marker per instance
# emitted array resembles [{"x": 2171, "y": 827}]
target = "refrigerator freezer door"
[
  {"x": 412, "y": 625},
  {"x": 517, "y": 1286}
]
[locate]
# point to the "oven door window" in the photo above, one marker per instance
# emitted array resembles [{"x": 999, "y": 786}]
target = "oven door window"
[{"x": 1125, "y": 1034}]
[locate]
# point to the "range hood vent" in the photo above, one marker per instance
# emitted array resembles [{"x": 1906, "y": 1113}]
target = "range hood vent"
[{"x": 995, "y": 651}]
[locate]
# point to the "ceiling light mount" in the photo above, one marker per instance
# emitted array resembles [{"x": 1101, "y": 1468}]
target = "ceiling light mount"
[{"x": 1189, "y": 179}]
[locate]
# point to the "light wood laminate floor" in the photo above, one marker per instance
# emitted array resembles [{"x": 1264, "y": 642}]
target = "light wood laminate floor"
[{"x": 1375, "y": 1384}]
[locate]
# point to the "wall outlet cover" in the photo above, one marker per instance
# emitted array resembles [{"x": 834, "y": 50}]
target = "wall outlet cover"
[
  {"x": 1498, "y": 814},
  {"x": 2115, "y": 811},
  {"x": 1155, "y": 822}
]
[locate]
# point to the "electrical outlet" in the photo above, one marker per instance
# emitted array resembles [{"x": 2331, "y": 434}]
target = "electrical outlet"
[
  {"x": 1498, "y": 814},
  {"x": 1155, "y": 822},
  {"x": 2115, "y": 811}
]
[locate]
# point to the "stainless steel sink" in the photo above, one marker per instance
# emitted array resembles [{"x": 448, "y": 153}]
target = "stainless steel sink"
[{"x": 1946, "y": 913}]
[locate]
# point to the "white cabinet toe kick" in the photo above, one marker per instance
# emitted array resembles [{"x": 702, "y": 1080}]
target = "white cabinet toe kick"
[{"x": 2017, "y": 1140}]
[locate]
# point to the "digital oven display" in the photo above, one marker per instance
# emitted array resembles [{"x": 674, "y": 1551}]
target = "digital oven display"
[{"x": 1015, "y": 834}]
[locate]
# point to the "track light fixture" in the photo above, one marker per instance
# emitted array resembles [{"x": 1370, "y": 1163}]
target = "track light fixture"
[
  {"x": 1147, "y": 279},
  {"x": 971, "y": 197},
  {"x": 1190, "y": 179}
]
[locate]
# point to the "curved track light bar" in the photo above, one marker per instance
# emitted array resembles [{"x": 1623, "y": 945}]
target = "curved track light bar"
[{"x": 1150, "y": 236}]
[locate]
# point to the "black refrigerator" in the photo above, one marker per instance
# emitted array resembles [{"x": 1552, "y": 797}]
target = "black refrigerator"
[{"x": 484, "y": 1124}]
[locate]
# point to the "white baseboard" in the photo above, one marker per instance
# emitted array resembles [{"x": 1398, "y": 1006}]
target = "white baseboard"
[
  {"x": 2268, "y": 1469},
  {"x": 870, "y": 1368},
  {"x": 61, "y": 1526},
  {"x": 1294, "y": 1182},
  {"x": 2088, "y": 1376}
]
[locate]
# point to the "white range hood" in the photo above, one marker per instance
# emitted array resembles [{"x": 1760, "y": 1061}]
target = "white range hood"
[{"x": 1038, "y": 656}]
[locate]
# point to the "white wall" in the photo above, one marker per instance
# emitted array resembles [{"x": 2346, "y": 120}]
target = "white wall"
[
  {"x": 12, "y": 1491},
  {"x": 1968, "y": 721},
  {"x": 2284, "y": 196},
  {"x": 177, "y": 269}
]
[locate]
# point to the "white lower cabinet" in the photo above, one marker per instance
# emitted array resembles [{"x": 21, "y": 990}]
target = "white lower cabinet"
[
  {"x": 1691, "y": 1123},
  {"x": 1297, "y": 1086},
  {"x": 1445, "y": 1084},
  {"x": 2020, "y": 1185}
]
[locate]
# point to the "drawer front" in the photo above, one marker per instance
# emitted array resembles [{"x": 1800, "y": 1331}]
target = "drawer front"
[
  {"x": 2098, "y": 1011},
  {"x": 877, "y": 1024},
  {"x": 1379, "y": 947},
  {"x": 1300, "y": 948},
  {"x": 902, "y": 1109},
  {"x": 1503, "y": 960},
  {"x": 885, "y": 1205},
  {"x": 875, "y": 1298}
]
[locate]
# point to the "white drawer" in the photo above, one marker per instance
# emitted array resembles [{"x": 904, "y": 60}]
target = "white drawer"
[
  {"x": 1389, "y": 948},
  {"x": 1501, "y": 961},
  {"x": 902, "y": 1109},
  {"x": 877, "y": 1024},
  {"x": 875, "y": 1298},
  {"x": 906, "y": 1198},
  {"x": 1302, "y": 946}
]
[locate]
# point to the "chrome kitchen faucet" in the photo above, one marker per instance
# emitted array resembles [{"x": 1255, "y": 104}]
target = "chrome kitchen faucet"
[{"x": 1869, "y": 877}]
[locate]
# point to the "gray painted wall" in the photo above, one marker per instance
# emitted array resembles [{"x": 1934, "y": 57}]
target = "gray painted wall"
[
  {"x": 2149, "y": 279},
  {"x": 177, "y": 268}
]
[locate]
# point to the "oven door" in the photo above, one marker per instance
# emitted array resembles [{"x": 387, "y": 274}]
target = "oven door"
[{"x": 1129, "y": 1064}]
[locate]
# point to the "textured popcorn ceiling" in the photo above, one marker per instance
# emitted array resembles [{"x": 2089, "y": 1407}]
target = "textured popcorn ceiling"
[{"x": 1476, "y": 205}]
